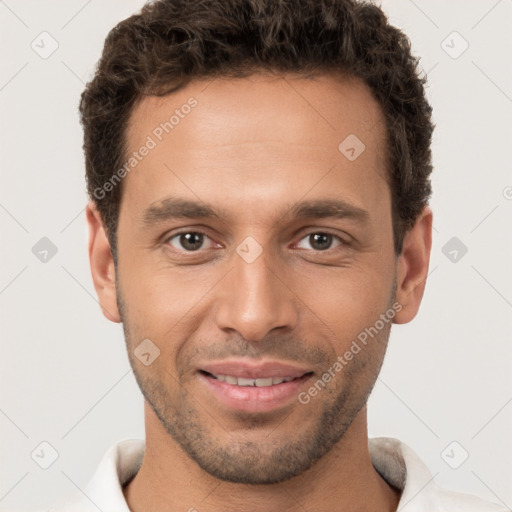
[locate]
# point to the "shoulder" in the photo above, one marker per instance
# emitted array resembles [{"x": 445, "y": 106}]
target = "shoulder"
[
  {"x": 401, "y": 467},
  {"x": 104, "y": 491}
]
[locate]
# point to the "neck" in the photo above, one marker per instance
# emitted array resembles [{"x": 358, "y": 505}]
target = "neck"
[{"x": 344, "y": 479}]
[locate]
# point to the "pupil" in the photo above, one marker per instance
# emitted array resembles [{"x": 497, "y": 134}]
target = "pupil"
[
  {"x": 321, "y": 241},
  {"x": 191, "y": 241}
]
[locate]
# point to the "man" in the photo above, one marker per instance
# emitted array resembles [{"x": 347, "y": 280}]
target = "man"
[{"x": 259, "y": 183}]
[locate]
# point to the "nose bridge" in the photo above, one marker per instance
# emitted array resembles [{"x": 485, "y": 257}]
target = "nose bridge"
[{"x": 253, "y": 300}]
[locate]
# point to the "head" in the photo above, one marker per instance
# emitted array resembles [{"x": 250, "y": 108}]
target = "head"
[{"x": 308, "y": 131}]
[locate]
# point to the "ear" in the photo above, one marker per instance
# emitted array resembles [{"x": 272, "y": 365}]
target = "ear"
[
  {"x": 412, "y": 267},
  {"x": 102, "y": 264}
]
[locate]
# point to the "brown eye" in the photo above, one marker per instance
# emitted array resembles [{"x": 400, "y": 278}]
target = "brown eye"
[
  {"x": 190, "y": 241},
  {"x": 319, "y": 241}
]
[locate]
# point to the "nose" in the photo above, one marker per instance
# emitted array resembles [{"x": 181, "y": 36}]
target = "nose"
[{"x": 255, "y": 299}]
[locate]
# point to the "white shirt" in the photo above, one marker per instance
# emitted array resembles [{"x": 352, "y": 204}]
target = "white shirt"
[{"x": 393, "y": 460}]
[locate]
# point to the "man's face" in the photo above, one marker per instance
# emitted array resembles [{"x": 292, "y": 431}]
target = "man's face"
[{"x": 263, "y": 153}]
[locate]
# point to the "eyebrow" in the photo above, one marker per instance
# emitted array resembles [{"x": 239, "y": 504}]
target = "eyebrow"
[
  {"x": 177, "y": 208},
  {"x": 170, "y": 208},
  {"x": 329, "y": 208}
]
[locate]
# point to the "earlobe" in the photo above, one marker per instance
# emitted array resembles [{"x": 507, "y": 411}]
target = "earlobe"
[
  {"x": 102, "y": 264},
  {"x": 412, "y": 267}
]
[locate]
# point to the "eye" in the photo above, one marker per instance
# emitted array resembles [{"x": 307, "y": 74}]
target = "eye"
[
  {"x": 189, "y": 241},
  {"x": 320, "y": 241}
]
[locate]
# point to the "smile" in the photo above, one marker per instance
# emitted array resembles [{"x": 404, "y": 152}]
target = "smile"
[
  {"x": 263, "y": 394},
  {"x": 261, "y": 382}
]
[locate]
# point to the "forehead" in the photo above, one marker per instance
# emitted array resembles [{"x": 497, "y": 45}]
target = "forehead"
[
  {"x": 264, "y": 102},
  {"x": 246, "y": 136}
]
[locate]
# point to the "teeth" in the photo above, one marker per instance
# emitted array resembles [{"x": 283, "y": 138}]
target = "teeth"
[
  {"x": 264, "y": 382},
  {"x": 246, "y": 382},
  {"x": 278, "y": 380}
]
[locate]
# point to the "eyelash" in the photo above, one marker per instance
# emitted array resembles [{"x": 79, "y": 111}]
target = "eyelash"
[
  {"x": 199, "y": 231},
  {"x": 184, "y": 232}
]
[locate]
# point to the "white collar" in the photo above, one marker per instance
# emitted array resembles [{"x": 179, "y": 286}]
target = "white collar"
[{"x": 393, "y": 460}]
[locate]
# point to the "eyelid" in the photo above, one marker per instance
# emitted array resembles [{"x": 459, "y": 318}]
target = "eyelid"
[
  {"x": 342, "y": 241},
  {"x": 311, "y": 231},
  {"x": 169, "y": 236}
]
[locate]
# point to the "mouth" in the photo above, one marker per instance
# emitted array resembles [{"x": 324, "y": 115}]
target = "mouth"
[
  {"x": 261, "y": 382},
  {"x": 260, "y": 394}
]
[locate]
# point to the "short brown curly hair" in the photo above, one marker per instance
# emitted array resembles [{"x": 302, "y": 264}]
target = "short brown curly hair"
[{"x": 171, "y": 42}]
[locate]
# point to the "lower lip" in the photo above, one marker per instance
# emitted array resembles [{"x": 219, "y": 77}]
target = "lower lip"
[{"x": 253, "y": 398}]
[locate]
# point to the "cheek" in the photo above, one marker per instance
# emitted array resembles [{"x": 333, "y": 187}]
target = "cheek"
[
  {"x": 160, "y": 292},
  {"x": 345, "y": 301},
  {"x": 166, "y": 305}
]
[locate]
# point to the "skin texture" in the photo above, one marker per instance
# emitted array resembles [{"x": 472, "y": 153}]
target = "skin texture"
[{"x": 253, "y": 148}]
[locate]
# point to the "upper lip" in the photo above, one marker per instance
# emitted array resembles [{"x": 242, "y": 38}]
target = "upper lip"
[{"x": 254, "y": 370}]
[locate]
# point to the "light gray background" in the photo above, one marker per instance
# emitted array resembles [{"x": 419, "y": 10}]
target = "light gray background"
[{"x": 64, "y": 371}]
